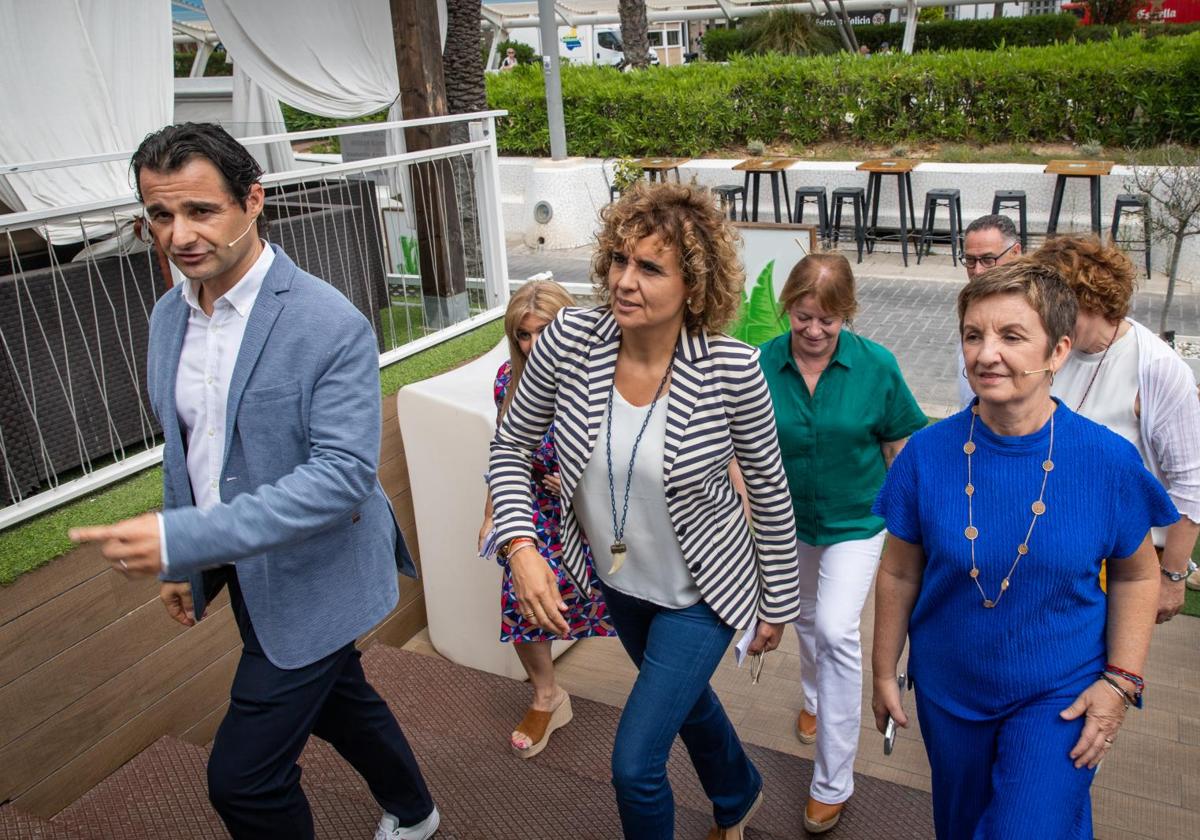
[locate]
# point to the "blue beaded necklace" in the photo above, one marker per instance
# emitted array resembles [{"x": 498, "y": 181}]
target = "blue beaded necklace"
[{"x": 618, "y": 547}]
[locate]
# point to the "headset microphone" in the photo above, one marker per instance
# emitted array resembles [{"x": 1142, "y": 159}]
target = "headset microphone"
[
  {"x": 1026, "y": 372},
  {"x": 253, "y": 222}
]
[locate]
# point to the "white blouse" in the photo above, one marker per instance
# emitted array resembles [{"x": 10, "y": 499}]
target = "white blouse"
[
  {"x": 654, "y": 569},
  {"x": 1168, "y": 430}
]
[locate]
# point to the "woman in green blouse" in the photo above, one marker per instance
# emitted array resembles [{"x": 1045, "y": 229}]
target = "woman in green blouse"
[{"x": 843, "y": 412}]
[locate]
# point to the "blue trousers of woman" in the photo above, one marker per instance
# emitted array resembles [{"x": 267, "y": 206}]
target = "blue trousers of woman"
[
  {"x": 1007, "y": 778},
  {"x": 676, "y": 652}
]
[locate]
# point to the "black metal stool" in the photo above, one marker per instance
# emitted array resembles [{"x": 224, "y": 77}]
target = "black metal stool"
[
  {"x": 933, "y": 199},
  {"x": 1014, "y": 200},
  {"x": 1137, "y": 204},
  {"x": 818, "y": 196},
  {"x": 857, "y": 197},
  {"x": 728, "y": 196}
]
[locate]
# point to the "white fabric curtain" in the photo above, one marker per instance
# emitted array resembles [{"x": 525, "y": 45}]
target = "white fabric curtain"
[
  {"x": 80, "y": 77},
  {"x": 255, "y": 111},
  {"x": 332, "y": 59}
]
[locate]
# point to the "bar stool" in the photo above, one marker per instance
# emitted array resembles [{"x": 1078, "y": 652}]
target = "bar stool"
[
  {"x": 857, "y": 197},
  {"x": 1138, "y": 205},
  {"x": 1013, "y": 200},
  {"x": 818, "y": 196},
  {"x": 952, "y": 198},
  {"x": 728, "y": 194}
]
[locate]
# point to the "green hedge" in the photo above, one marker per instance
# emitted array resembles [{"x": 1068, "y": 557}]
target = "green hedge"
[
  {"x": 216, "y": 65},
  {"x": 986, "y": 34},
  {"x": 721, "y": 44},
  {"x": 1126, "y": 92}
]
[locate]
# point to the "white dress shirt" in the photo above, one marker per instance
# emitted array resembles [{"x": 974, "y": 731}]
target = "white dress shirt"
[{"x": 206, "y": 362}]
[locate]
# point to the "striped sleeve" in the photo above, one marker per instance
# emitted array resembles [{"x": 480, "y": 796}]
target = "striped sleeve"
[
  {"x": 752, "y": 428},
  {"x": 519, "y": 433}
]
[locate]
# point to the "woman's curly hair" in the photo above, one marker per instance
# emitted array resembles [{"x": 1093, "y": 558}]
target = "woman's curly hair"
[
  {"x": 688, "y": 219},
  {"x": 1099, "y": 273}
]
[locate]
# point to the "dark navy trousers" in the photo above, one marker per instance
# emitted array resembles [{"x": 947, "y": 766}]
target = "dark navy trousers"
[{"x": 253, "y": 778}]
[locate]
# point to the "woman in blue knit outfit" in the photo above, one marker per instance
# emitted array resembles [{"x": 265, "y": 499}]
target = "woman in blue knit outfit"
[{"x": 999, "y": 518}]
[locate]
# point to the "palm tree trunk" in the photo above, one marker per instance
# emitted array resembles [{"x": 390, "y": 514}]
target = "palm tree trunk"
[{"x": 634, "y": 29}]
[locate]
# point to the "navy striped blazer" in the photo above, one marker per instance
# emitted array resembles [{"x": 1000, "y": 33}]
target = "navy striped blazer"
[{"x": 718, "y": 406}]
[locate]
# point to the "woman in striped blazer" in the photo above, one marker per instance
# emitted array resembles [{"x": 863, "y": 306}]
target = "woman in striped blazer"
[{"x": 650, "y": 404}]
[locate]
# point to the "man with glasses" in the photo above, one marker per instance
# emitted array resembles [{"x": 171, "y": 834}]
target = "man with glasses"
[{"x": 990, "y": 241}]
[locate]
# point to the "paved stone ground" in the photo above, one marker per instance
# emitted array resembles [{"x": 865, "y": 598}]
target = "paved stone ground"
[{"x": 909, "y": 310}]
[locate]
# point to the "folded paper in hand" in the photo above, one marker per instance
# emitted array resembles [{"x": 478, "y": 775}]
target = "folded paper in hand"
[
  {"x": 739, "y": 650},
  {"x": 490, "y": 546}
]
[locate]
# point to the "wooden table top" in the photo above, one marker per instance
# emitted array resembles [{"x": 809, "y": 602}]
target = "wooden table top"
[
  {"x": 1079, "y": 167},
  {"x": 660, "y": 163},
  {"x": 765, "y": 164},
  {"x": 888, "y": 165}
]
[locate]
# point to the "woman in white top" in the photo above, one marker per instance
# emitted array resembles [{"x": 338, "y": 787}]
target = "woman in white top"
[
  {"x": 1120, "y": 374},
  {"x": 650, "y": 403}
]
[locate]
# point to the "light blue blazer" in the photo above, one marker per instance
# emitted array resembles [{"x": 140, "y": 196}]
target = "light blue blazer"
[{"x": 303, "y": 516}]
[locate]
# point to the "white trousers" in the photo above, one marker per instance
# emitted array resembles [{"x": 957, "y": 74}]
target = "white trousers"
[{"x": 834, "y": 582}]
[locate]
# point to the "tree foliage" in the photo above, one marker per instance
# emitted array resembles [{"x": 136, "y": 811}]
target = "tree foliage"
[{"x": 1123, "y": 92}]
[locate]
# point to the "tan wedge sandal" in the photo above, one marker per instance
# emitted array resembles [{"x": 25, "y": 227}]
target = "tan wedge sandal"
[{"x": 537, "y": 726}]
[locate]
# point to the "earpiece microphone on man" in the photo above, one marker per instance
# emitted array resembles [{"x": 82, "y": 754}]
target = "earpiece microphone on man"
[{"x": 253, "y": 222}]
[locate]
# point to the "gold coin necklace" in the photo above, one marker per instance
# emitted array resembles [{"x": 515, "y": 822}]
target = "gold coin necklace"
[{"x": 972, "y": 533}]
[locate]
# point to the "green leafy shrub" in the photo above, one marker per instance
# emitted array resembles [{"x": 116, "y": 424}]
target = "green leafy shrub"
[
  {"x": 525, "y": 53},
  {"x": 216, "y": 65},
  {"x": 1124, "y": 92},
  {"x": 985, "y": 34},
  {"x": 722, "y": 44}
]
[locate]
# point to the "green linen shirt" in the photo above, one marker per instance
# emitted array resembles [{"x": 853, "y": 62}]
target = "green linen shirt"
[{"x": 830, "y": 439}]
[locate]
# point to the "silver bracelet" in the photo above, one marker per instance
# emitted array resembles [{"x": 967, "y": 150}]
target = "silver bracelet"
[{"x": 1124, "y": 697}]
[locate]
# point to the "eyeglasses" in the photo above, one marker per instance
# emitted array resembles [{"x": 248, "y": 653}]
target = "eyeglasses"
[
  {"x": 987, "y": 260},
  {"x": 756, "y": 666}
]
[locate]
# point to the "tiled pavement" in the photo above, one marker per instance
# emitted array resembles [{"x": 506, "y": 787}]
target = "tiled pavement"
[{"x": 1150, "y": 785}]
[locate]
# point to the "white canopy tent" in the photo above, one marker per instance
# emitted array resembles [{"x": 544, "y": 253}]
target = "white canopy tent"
[{"x": 80, "y": 77}]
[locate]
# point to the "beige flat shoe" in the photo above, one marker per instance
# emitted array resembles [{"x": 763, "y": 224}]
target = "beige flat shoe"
[
  {"x": 819, "y": 817},
  {"x": 806, "y": 728},
  {"x": 735, "y": 832}
]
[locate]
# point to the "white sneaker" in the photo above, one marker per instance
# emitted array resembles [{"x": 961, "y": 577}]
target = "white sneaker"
[{"x": 390, "y": 829}]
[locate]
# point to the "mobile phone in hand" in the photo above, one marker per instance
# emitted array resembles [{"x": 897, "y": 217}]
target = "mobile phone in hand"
[{"x": 889, "y": 732}]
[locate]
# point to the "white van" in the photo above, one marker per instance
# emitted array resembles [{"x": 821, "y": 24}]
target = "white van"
[{"x": 586, "y": 44}]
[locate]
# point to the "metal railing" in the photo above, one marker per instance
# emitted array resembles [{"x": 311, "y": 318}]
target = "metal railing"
[{"x": 413, "y": 239}]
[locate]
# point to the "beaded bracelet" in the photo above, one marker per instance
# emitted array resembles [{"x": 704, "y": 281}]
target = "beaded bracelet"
[{"x": 1138, "y": 682}]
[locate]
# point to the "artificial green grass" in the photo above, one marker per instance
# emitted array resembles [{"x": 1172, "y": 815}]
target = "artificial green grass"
[
  {"x": 36, "y": 542},
  {"x": 445, "y": 356}
]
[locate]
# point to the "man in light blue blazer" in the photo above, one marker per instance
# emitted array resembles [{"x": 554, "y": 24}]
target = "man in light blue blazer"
[{"x": 265, "y": 381}]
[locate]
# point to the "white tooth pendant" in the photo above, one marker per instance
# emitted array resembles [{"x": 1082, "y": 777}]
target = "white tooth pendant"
[{"x": 618, "y": 557}]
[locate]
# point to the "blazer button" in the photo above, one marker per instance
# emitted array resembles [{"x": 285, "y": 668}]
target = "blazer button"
[
  {"x": 683, "y": 530},
  {"x": 670, "y": 492},
  {"x": 694, "y": 566}
]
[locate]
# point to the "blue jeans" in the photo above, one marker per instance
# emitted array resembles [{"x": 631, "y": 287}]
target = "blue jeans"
[{"x": 676, "y": 652}]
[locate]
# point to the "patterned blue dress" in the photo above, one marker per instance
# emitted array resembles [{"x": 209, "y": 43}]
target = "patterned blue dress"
[{"x": 586, "y": 614}]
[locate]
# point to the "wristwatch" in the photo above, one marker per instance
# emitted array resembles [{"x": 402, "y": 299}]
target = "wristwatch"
[{"x": 1176, "y": 577}]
